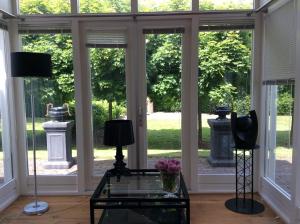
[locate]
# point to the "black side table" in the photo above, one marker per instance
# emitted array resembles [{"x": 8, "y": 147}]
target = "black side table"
[{"x": 139, "y": 198}]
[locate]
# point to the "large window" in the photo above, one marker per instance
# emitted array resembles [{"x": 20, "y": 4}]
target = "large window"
[
  {"x": 163, "y": 66},
  {"x": 5, "y": 148},
  {"x": 55, "y": 140},
  {"x": 104, "y": 6},
  {"x": 44, "y": 6},
  {"x": 163, "y": 5},
  {"x": 225, "y": 4},
  {"x": 279, "y": 133}
]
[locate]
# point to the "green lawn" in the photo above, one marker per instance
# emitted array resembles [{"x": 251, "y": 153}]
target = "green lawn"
[{"x": 164, "y": 139}]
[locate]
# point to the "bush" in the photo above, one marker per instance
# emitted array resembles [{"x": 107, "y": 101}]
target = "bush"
[
  {"x": 284, "y": 103},
  {"x": 242, "y": 105},
  {"x": 100, "y": 112},
  {"x": 222, "y": 95}
]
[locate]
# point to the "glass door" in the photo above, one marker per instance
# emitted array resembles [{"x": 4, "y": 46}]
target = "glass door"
[
  {"x": 106, "y": 65},
  {"x": 108, "y": 101},
  {"x": 223, "y": 82},
  {"x": 163, "y": 72}
]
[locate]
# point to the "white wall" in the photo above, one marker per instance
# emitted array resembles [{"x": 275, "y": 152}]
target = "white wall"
[{"x": 5, "y": 5}]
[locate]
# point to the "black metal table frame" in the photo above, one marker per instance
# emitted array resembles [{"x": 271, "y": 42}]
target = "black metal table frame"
[{"x": 122, "y": 203}]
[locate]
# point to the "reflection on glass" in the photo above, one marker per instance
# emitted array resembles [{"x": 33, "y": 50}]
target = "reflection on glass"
[
  {"x": 55, "y": 140},
  {"x": 280, "y": 103},
  {"x": 108, "y": 102},
  {"x": 104, "y": 6},
  {"x": 225, "y": 4},
  {"x": 163, "y": 5},
  {"x": 44, "y": 6}
]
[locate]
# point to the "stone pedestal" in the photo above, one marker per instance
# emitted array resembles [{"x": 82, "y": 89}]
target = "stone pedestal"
[
  {"x": 221, "y": 152},
  {"x": 59, "y": 136}
]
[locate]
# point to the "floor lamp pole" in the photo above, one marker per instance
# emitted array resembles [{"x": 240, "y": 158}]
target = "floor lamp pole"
[{"x": 36, "y": 207}]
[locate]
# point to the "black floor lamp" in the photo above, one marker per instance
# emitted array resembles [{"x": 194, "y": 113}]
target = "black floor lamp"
[{"x": 32, "y": 65}]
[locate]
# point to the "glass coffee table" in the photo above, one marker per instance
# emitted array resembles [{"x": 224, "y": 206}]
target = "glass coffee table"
[{"x": 138, "y": 198}]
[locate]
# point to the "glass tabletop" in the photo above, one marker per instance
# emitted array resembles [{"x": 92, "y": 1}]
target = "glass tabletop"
[{"x": 141, "y": 184}]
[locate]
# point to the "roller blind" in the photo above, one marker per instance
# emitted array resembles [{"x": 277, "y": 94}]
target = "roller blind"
[
  {"x": 106, "y": 39},
  {"x": 280, "y": 43},
  {"x": 44, "y": 27}
]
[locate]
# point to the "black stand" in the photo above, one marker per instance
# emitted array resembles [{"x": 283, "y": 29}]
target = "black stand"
[
  {"x": 244, "y": 185},
  {"x": 119, "y": 166}
]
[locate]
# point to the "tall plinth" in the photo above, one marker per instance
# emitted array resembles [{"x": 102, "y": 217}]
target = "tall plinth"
[
  {"x": 221, "y": 151},
  {"x": 59, "y": 136}
]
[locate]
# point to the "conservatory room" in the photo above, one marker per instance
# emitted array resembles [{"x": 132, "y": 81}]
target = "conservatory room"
[{"x": 149, "y": 111}]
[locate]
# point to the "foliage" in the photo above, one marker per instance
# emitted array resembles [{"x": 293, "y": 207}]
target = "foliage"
[
  {"x": 44, "y": 6},
  {"x": 104, "y": 6},
  {"x": 60, "y": 88},
  {"x": 225, "y": 57},
  {"x": 100, "y": 112},
  {"x": 223, "y": 95},
  {"x": 225, "y": 4},
  {"x": 164, "y": 71},
  {"x": 285, "y": 103},
  {"x": 63, "y": 6},
  {"x": 165, "y": 5},
  {"x": 242, "y": 104},
  {"x": 108, "y": 74}
]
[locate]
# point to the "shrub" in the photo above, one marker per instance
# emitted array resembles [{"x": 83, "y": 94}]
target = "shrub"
[
  {"x": 284, "y": 103},
  {"x": 242, "y": 105},
  {"x": 101, "y": 112},
  {"x": 222, "y": 95}
]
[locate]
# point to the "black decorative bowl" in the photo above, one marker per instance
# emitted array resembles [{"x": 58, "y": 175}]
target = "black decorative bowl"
[{"x": 222, "y": 111}]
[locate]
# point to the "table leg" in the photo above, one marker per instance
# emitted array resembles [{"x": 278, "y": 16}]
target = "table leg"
[
  {"x": 92, "y": 214},
  {"x": 188, "y": 213}
]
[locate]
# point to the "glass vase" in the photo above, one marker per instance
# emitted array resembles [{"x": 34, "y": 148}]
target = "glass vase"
[{"x": 170, "y": 183}]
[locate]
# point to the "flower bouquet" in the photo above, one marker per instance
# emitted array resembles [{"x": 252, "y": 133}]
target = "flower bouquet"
[{"x": 169, "y": 172}]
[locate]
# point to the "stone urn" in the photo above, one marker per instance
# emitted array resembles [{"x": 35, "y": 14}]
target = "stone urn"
[
  {"x": 59, "y": 137},
  {"x": 222, "y": 111},
  {"x": 221, "y": 154},
  {"x": 58, "y": 113}
]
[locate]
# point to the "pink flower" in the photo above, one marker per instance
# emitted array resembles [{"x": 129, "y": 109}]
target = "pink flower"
[
  {"x": 171, "y": 166},
  {"x": 162, "y": 165}
]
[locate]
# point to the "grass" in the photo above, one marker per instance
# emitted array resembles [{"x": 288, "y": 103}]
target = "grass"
[{"x": 164, "y": 139}]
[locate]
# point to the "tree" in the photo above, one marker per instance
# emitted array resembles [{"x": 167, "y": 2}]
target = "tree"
[
  {"x": 164, "y": 71},
  {"x": 108, "y": 75},
  {"x": 61, "y": 87}
]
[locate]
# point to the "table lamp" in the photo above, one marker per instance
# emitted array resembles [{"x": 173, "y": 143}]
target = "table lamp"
[
  {"x": 32, "y": 65},
  {"x": 118, "y": 133}
]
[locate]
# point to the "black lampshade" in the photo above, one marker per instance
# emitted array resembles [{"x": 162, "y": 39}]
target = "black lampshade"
[
  {"x": 244, "y": 130},
  {"x": 28, "y": 64},
  {"x": 118, "y": 133}
]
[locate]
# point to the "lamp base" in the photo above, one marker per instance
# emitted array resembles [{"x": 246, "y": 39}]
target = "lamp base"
[
  {"x": 244, "y": 206},
  {"x": 36, "y": 208}
]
